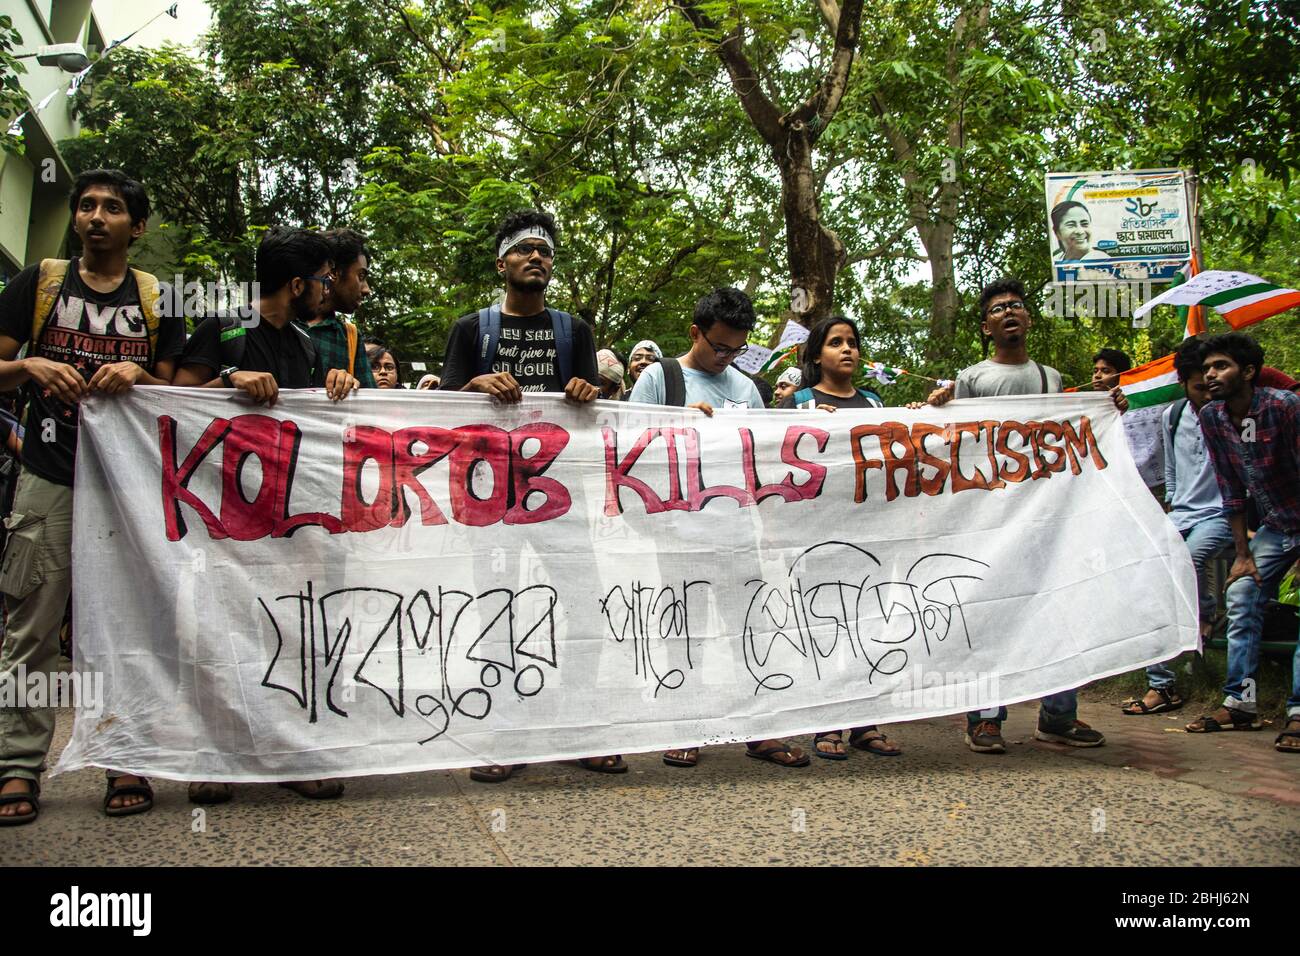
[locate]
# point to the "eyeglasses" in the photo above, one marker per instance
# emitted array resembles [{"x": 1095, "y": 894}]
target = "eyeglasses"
[
  {"x": 326, "y": 281},
  {"x": 1013, "y": 306},
  {"x": 527, "y": 250},
  {"x": 721, "y": 351}
]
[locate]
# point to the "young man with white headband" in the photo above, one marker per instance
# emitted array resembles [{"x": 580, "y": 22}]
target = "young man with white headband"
[
  {"x": 644, "y": 354},
  {"x": 517, "y": 346},
  {"x": 787, "y": 384},
  {"x": 521, "y": 345}
]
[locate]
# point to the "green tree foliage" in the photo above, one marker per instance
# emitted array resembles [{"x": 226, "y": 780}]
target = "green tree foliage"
[
  {"x": 423, "y": 124},
  {"x": 12, "y": 98}
]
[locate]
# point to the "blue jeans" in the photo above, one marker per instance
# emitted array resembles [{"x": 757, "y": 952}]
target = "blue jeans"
[
  {"x": 1204, "y": 541},
  {"x": 1056, "y": 710},
  {"x": 1274, "y": 554}
]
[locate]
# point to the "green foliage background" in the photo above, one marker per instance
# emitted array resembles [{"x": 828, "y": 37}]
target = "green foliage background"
[{"x": 423, "y": 123}]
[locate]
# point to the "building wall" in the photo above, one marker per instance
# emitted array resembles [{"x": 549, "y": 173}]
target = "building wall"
[{"x": 34, "y": 187}]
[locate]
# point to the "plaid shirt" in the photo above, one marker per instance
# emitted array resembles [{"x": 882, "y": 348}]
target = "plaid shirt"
[
  {"x": 1268, "y": 467},
  {"x": 331, "y": 341}
]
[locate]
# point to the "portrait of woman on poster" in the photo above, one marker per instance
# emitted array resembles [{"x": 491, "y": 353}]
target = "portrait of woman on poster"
[{"x": 1072, "y": 226}]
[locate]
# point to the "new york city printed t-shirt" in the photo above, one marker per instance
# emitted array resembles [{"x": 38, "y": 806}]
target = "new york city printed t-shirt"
[{"x": 86, "y": 329}]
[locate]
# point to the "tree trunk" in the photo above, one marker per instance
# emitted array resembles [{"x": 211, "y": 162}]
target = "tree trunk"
[{"x": 814, "y": 252}]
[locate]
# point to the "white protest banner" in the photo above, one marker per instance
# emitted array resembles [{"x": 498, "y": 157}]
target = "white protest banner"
[
  {"x": 407, "y": 581},
  {"x": 1118, "y": 226}
]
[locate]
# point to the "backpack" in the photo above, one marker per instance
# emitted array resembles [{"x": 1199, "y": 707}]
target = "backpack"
[
  {"x": 53, "y": 273},
  {"x": 489, "y": 328},
  {"x": 804, "y": 398},
  {"x": 1175, "y": 413},
  {"x": 674, "y": 382},
  {"x": 233, "y": 342}
]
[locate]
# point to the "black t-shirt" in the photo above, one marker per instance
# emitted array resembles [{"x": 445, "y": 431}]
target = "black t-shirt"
[
  {"x": 86, "y": 329},
  {"x": 282, "y": 352},
  {"x": 526, "y": 350},
  {"x": 857, "y": 400}
]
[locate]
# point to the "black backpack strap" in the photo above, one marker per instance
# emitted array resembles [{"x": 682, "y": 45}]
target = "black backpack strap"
[
  {"x": 489, "y": 334},
  {"x": 232, "y": 339},
  {"x": 562, "y": 325},
  {"x": 674, "y": 382},
  {"x": 308, "y": 347},
  {"x": 1175, "y": 413},
  {"x": 1042, "y": 377}
]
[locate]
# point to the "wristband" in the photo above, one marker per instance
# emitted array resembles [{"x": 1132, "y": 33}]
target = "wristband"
[{"x": 225, "y": 376}]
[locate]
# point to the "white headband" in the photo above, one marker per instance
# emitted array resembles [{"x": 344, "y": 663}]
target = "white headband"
[
  {"x": 530, "y": 232},
  {"x": 647, "y": 344},
  {"x": 791, "y": 376}
]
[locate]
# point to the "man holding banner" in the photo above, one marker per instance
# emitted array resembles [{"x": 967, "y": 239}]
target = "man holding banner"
[
  {"x": 1005, "y": 319},
  {"x": 91, "y": 325},
  {"x": 293, "y": 272},
  {"x": 523, "y": 345}
]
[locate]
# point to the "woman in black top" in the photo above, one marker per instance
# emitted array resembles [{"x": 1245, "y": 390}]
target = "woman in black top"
[{"x": 830, "y": 360}]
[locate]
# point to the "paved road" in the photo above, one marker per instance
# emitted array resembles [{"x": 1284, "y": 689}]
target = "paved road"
[{"x": 1152, "y": 796}]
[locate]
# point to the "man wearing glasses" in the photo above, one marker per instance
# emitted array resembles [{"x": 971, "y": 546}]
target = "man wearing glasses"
[
  {"x": 723, "y": 320},
  {"x": 722, "y": 323},
  {"x": 1005, "y": 319},
  {"x": 515, "y": 346},
  {"x": 520, "y": 345},
  {"x": 272, "y": 351},
  {"x": 259, "y": 358},
  {"x": 336, "y": 339}
]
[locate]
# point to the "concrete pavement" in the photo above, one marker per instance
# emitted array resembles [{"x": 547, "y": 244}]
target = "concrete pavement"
[{"x": 1153, "y": 796}]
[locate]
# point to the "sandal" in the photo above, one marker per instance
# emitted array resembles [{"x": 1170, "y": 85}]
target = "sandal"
[
  {"x": 115, "y": 789},
  {"x": 1209, "y": 724},
  {"x": 1290, "y": 732},
  {"x": 769, "y": 754},
  {"x": 1168, "y": 701},
  {"x": 863, "y": 737},
  {"x": 494, "y": 774},
  {"x": 690, "y": 756},
  {"x": 209, "y": 793},
  {"x": 32, "y": 796},
  {"x": 598, "y": 764},
  {"x": 833, "y": 737},
  {"x": 316, "y": 789}
]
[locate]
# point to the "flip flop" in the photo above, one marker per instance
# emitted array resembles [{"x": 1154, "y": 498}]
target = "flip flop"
[
  {"x": 114, "y": 789},
  {"x": 767, "y": 754},
  {"x": 598, "y": 765},
  {"x": 325, "y": 789},
  {"x": 210, "y": 793},
  {"x": 833, "y": 736},
  {"x": 1211, "y": 726},
  {"x": 32, "y": 796},
  {"x": 495, "y": 774},
  {"x": 1287, "y": 733},
  {"x": 1169, "y": 701},
  {"x": 864, "y": 740},
  {"x": 683, "y": 761}
]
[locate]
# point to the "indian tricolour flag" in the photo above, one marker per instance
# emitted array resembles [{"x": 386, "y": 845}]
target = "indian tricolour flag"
[
  {"x": 1241, "y": 298},
  {"x": 1149, "y": 389}
]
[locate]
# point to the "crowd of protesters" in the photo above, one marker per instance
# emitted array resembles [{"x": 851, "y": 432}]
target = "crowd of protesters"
[{"x": 90, "y": 325}]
